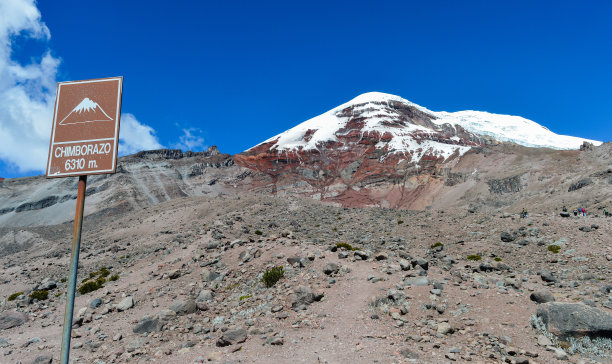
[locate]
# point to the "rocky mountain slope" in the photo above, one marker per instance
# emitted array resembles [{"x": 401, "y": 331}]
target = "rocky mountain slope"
[
  {"x": 143, "y": 179},
  {"x": 395, "y": 229},
  {"x": 359, "y": 285}
]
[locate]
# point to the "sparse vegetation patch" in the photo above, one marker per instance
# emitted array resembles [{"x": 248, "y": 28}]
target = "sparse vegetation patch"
[
  {"x": 14, "y": 296},
  {"x": 474, "y": 257},
  {"x": 554, "y": 248},
  {"x": 273, "y": 275},
  {"x": 41, "y": 295},
  {"x": 346, "y": 246}
]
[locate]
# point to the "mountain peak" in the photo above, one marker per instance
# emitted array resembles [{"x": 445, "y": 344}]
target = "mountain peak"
[
  {"x": 86, "y": 105},
  {"x": 387, "y": 113}
]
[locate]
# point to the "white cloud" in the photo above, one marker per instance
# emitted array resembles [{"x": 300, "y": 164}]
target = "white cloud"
[
  {"x": 190, "y": 140},
  {"x": 135, "y": 136},
  {"x": 27, "y": 92},
  {"x": 27, "y": 96}
]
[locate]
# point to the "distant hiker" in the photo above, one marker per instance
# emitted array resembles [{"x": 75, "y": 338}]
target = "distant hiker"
[
  {"x": 583, "y": 212},
  {"x": 523, "y": 213},
  {"x": 575, "y": 211},
  {"x": 564, "y": 208},
  {"x": 606, "y": 213}
]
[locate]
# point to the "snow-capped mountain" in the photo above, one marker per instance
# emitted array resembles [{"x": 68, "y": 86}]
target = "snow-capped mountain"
[
  {"x": 382, "y": 113},
  {"x": 87, "y": 111},
  {"x": 382, "y": 149}
]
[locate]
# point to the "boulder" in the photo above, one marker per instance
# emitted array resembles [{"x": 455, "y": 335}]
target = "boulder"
[
  {"x": 204, "y": 295},
  {"x": 360, "y": 254},
  {"x": 43, "y": 359},
  {"x": 10, "y": 319},
  {"x": 301, "y": 262},
  {"x": 420, "y": 262},
  {"x": 208, "y": 275},
  {"x": 547, "y": 276},
  {"x": 148, "y": 324},
  {"x": 184, "y": 307},
  {"x": 507, "y": 237},
  {"x": 575, "y": 319},
  {"x": 303, "y": 297},
  {"x": 542, "y": 296},
  {"x": 232, "y": 336},
  {"x": 331, "y": 268}
]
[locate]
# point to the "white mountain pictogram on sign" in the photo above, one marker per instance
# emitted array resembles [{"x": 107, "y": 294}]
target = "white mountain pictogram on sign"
[{"x": 87, "y": 111}]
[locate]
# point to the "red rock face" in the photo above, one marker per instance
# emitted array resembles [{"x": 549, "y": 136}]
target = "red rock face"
[{"x": 359, "y": 166}]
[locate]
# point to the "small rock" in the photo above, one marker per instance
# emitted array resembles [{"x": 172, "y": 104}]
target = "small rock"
[
  {"x": 174, "y": 274},
  {"x": 507, "y": 237},
  {"x": 409, "y": 354},
  {"x": 542, "y": 296},
  {"x": 381, "y": 256},
  {"x": 208, "y": 275},
  {"x": 444, "y": 328},
  {"x": 331, "y": 268},
  {"x": 148, "y": 324},
  {"x": 547, "y": 276},
  {"x": 296, "y": 260},
  {"x": 95, "y": 303},
  {"x": 303, "y": 297},
  {"x": 360, "y": 254},
  {"x": 204, "y": 295},
  {"x": 275, "y": 340},
  {"x": 184, "y": 307},
  {"x": 43, "y": 359},
  {"x": 559, "y": 354},
  {"x": 231, "y": 337},
  {"x": 125, "y": 304}
]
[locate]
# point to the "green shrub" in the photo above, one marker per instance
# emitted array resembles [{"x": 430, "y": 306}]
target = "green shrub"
[
  {"x": 437, "y": 244},
  {"x": 14, "y": 295},
  {"x": 41, "y": 295},
  {"x": 271, "y": 276},
  {"x": 554, "y": 248},
  {"x": 63, "y": 280},
  {"x": 497, "y": 259},
  {"x": 399, "y": 222},
  {"x": 104, "y": 272},
  {"x": 346, "y": 246},
  {"x": 89, "y": 286},
  {"x": 245, "y": 297},
  {"x": 114, "y": 277},
  {"x": 258, "y": 232},
  {"x": 474, "y": 257}
]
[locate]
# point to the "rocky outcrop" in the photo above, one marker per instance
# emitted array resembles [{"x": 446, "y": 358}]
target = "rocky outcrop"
[
  {"x": 580, "y": 184},
  {"x": 575, "y": 319},
  {"x": 505, "y": 185}
]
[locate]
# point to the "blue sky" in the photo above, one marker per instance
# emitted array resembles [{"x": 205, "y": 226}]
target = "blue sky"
[{"x": 233, "y": 74}]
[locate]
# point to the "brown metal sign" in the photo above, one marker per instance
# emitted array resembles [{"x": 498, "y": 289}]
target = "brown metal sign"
[{"x": 85, "y": 132}]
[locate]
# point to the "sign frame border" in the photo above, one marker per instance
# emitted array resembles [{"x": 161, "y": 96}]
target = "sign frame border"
[{"x": 115, "y": 138}]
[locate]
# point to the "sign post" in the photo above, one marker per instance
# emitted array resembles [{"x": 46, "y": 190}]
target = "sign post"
[{"x": 84, "y": 141}]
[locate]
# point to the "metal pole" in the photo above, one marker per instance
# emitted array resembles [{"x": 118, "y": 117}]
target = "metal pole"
[{"x": 74, "y": 264}]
